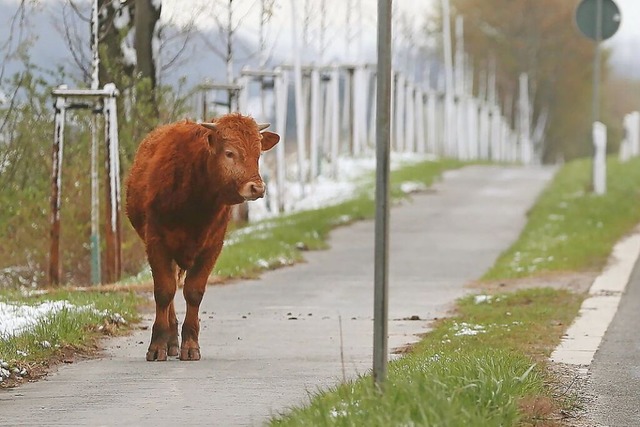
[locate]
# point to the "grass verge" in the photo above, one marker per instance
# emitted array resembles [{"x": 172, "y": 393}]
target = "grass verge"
[
  {"x": 572, "y": 229},
  {"x": 483, "y": 367},
  {"x": 487, "y": 365},
  {"x": 71, "y": 323}
]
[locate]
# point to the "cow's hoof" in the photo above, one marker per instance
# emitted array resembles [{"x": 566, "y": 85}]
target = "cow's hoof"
[
  {"x": 160, "y": 355},
  {"x": 190, "y": 354},
  {"x": 173, "y": 350}
]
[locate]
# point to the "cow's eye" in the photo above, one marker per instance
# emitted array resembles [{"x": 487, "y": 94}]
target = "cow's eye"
[{"x": 230, "y": 154}]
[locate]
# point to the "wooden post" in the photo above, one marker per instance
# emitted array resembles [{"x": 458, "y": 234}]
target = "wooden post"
[{"x": 56, "y": 190}]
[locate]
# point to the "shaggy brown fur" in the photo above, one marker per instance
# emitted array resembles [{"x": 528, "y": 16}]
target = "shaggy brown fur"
[{"x": 183, "y": 181}]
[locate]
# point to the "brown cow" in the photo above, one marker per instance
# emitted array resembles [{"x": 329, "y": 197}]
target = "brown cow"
[{"x": 183, "y": 181}]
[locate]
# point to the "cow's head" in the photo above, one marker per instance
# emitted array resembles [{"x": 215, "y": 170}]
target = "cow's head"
[{"x": 235, "y": 144}]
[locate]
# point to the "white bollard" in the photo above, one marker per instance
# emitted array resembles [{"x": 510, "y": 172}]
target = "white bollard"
[
  {"x": 600, "y": 158},
  {"x": 625, "y": 145},
  {"x": 632, "y": 126}
]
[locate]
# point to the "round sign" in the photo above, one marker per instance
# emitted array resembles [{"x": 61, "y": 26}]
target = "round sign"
[{"x": 586, "y": 18}]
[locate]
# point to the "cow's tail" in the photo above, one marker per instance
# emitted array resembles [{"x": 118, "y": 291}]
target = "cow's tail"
[{"x": 181, "y": 275}]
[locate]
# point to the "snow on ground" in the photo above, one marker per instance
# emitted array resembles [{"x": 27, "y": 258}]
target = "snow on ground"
[
  {"x": 16, "y": 319},
  {"x": 327, "y": 191}
]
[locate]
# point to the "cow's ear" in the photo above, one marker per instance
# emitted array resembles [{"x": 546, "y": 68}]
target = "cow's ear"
[
  {"x": 213, "y": 136},
  {"x": 269, "y": 139}
]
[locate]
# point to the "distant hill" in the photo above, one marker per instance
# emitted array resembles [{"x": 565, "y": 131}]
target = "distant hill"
[{"x": 49, "y": 50}]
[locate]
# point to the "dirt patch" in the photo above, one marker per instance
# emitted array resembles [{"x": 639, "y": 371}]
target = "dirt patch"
[
  {"x": 35, "y": 371},
  {"x": 572, "y": 281},
  {"x": 570, "y": 386}
]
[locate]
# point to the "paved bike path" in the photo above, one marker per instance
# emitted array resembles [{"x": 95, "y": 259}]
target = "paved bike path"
[{"x": 267, "y": 343}]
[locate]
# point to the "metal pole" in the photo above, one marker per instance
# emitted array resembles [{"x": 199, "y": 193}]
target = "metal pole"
[
  {"x": 383, "y": 135},
  {"x": 95, "y": 204},
  {"x": 596, "y": 64},
  {"x": 595, "y": 108}
]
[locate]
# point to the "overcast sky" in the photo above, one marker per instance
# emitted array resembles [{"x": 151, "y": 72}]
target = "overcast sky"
[{"x": 626, "y": 42}]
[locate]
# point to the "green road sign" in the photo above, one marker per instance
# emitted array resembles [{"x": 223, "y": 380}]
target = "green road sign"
[{"x": 587, "y": 18}]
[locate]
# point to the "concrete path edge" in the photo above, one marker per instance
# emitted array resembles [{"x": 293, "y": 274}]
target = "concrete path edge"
[{"x": 585, "y": 334}]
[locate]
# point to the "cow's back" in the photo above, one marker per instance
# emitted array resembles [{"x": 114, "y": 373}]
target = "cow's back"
[{"x": 155, "y": 157}]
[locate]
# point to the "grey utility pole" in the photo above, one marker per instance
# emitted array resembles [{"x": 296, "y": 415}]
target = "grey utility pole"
[{"x": 383, "y": 134}]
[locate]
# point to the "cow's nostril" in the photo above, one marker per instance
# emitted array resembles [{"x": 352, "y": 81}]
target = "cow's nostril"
[
  {"x": 257, "y": 189},
  {"x": 252, "y": 190}
]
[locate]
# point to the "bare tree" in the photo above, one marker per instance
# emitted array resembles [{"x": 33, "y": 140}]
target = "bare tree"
[{"x": 147, "y": 15}]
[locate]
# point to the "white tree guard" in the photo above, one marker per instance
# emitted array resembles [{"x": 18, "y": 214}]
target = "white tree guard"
[
  {"x": 60, "y": 116},
  {"x": 472, "y": 129},
  {"x": 400, "y": 118},
  {"x": 281, "y": 86},
  {"x": 410, "y": 120},
  {"x": 316, "y": 147},
  {"x": 421, "y": 121},
  {"x": 432, "y": 126},
  {"x": 335, "y": 120},
  {"x": 111, "y": 133}
]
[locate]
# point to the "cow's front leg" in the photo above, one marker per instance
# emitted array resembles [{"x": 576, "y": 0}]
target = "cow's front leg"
[
  {"x": 194, "y": 287},
  {"x": 164, "y": 289}
]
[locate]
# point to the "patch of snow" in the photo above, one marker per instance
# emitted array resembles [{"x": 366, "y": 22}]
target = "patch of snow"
[
  {"x": 128, "y": 53},
  {"x": 482, "y": 298},
  {"x": 327, "y": 191},
  {"x": 121, "y": 18},
  {"x": 16, "y": 319},
  {"x": 467, "y": 329}
]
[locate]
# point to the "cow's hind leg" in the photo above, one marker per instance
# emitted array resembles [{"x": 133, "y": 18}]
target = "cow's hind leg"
[
  {"x": 194, "y": 287},
  {"x": 164, "y": 289}
]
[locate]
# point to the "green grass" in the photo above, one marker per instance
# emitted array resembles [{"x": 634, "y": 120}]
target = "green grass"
[
  {"x": 570, "y": 228},
  {"x": 486, "y": 365},
  {"x": 77, "y": 328},
  {"x": 280, "y": 241},
  {"x": 455, "y": 379}
]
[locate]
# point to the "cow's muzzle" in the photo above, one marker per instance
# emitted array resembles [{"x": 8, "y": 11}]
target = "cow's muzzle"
[{"x": 252, "y": 190}]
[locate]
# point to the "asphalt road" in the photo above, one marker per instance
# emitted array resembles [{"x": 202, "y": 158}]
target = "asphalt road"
[
  {"x": 614, "y": 374},
  {"x": 267, "y": 343}
]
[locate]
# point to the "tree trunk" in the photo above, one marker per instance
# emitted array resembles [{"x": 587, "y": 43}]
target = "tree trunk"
[{"x": 145, "y": 20}]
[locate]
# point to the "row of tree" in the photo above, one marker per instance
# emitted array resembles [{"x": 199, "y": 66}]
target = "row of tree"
[
  {"x": 504, "y": 37},
  {"x": 537, "y": 37}
]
